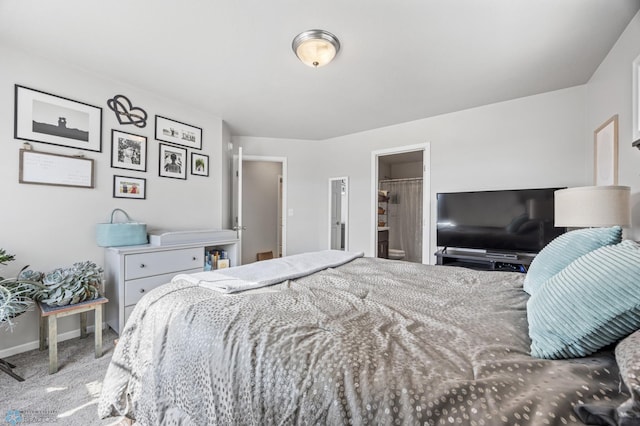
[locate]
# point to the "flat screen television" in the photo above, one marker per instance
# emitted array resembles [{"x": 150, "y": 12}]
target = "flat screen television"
[{"x": 506, "y": 221}]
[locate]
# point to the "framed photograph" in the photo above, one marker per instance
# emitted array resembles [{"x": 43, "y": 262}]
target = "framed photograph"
[
  {"x": 128, "y": 151},
  {"x": 129, "y": 187},
  {"x": 605, "y": 145},
  {"x": 44, "y": 168},
  {"x": 173, "y": 161},
  {"x": 636, "y": 102},
  {"x": 199, "y": 164},
  {"x": 178, "y": 133},
  {"x": 43, "y": 117}
]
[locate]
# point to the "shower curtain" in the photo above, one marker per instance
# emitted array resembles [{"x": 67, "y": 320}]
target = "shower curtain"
[{"x": 405, "y": 216}]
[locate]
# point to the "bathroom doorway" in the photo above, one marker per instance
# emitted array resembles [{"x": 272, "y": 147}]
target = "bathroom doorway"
[{"x": 401, "y": 196}]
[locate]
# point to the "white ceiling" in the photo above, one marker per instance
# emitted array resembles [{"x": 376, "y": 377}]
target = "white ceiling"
[{"x": 400, "y": 60}]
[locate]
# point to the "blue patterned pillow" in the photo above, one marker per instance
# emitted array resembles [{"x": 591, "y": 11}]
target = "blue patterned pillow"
[
  {"x": 593, "y": 302},
  {"x": 565, "y": 249}
]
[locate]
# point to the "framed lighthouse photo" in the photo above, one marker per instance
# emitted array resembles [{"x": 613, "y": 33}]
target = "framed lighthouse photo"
[{"x": 47, "y": 118}]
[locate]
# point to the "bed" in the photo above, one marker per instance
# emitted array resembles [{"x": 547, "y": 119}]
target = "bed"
[{"x": 371, "y": 341}]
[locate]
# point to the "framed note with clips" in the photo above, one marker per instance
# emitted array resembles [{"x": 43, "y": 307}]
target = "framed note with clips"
[{"x": 44, "y": 168}]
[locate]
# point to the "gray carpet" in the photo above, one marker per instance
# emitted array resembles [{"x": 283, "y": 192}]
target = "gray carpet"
[{"x": 68, "y": 397}]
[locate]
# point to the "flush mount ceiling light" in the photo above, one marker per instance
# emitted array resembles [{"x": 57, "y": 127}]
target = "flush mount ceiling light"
[{"x": 316, "y": 48}]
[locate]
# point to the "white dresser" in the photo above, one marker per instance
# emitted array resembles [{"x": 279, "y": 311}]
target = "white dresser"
[{"x": 131, "y": 272}]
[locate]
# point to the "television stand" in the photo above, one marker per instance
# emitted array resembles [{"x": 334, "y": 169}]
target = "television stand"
[{"x": 484, "y": 261}]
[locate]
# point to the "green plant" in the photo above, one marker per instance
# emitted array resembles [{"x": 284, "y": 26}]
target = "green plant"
[
  {"x": 67, "y": 286},
  {"x": 16, "y": 293}
]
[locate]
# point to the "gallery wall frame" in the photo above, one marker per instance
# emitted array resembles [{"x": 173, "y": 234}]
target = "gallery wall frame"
[
  {"x": 199, "y": 164},
  {"x": 47, "y": 118},
  {"x": 129, "y": 187},
  {"x": 173, "y": 162},
  {"x": 636, "y": 103},
  {"x": 128, "y": 151},
  {"x": 178, "y": 133},
  {"x": 605, "y": 152},
  {"x": 43, "y": 168}
]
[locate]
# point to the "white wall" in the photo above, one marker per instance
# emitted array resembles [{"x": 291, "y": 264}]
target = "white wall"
[
  {"x": 50, "y": 226},
  {"x": 410, "y": 169},
  {"x": 608, "y": 93},
  {"x": 536, "y": 141}
]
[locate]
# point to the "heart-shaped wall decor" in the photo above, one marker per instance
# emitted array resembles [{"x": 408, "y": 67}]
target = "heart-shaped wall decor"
[{"x": 126, "y": 113}]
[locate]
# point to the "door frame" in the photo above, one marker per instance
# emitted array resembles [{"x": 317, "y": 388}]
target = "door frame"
[
  {"x": 283, "y": 163},
  {"x": 426, "y": 195}
]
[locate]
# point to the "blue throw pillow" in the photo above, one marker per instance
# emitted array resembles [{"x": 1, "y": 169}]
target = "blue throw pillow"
[
  {"x": 564, "y": 249},
  {"x": 593, "y": 302}
]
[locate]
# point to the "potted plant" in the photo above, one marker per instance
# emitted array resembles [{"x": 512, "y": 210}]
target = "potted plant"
[
  {"x": 68, "y": 286},
  {"x": 15, "y": 299},
  {"x": 16, "y": 293}
]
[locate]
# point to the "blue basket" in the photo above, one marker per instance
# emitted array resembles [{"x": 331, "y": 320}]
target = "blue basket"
[{"x": 127, "y": 233}]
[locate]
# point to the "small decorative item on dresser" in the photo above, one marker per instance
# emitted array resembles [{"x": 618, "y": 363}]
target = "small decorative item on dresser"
[{"x": 127, "y": 233}]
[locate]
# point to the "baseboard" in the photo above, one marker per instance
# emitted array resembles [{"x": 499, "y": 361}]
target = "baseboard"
[{"x": 29, "y": 346}]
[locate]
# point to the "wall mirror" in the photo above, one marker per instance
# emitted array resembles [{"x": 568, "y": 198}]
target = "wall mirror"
[{"x": 339, "y": 213}]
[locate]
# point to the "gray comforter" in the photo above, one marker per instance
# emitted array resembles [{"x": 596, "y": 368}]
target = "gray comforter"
[{"x": 369, "y": 342}]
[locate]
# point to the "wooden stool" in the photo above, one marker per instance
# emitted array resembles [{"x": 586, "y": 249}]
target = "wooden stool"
[{"x": 55, "y": 312}]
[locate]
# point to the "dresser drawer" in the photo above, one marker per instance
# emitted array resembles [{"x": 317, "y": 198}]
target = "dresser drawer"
[
  {"x": 162, "y": 262},
  {"x": 135, "y": 289}
]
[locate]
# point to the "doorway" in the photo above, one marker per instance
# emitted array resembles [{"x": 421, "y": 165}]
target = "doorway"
[
  {"x": 259, "y": 206},
  {"x": 400, "y": 190}
]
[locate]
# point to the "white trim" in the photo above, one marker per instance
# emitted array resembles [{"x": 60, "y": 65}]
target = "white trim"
[
  {"x": 345, "y": 207},
  {"x": 426, "y": 195},
  {"x": 35, "y": 344},
  {"x": 283, "y": 161}
]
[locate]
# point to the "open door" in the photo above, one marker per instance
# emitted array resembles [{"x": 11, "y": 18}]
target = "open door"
[
  {"x": 417, "y": 159},
  {"x": 236, "y": 211}
]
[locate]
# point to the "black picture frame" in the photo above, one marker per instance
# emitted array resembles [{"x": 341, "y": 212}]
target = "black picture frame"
[
  {"x": 133, "y": 188},
  {"x": 52, "y": 119},
  {"x": 128, "y": 151},
  {"x": 173, "y": 162},
  {"x": 177, "y": 133},
  {"x": 199, "y": 164}
]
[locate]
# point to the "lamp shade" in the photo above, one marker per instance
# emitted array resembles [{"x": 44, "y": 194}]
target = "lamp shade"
[
  {"x": 316, "y": 48},
  {"x": 593, "y": 206}
]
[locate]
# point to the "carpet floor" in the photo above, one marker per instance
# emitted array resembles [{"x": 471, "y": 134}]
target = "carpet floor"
[{"x": 68, "y": 397}]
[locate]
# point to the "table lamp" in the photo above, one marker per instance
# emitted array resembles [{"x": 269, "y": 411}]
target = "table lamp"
[{"x": 593, "y": 206}]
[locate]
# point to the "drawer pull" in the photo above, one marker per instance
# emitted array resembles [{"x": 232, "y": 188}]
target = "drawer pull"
[
  {"x": 142, "y": 265},
  {"x": 195, "y": 258},
  {"x": 142, "y": 290}
]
